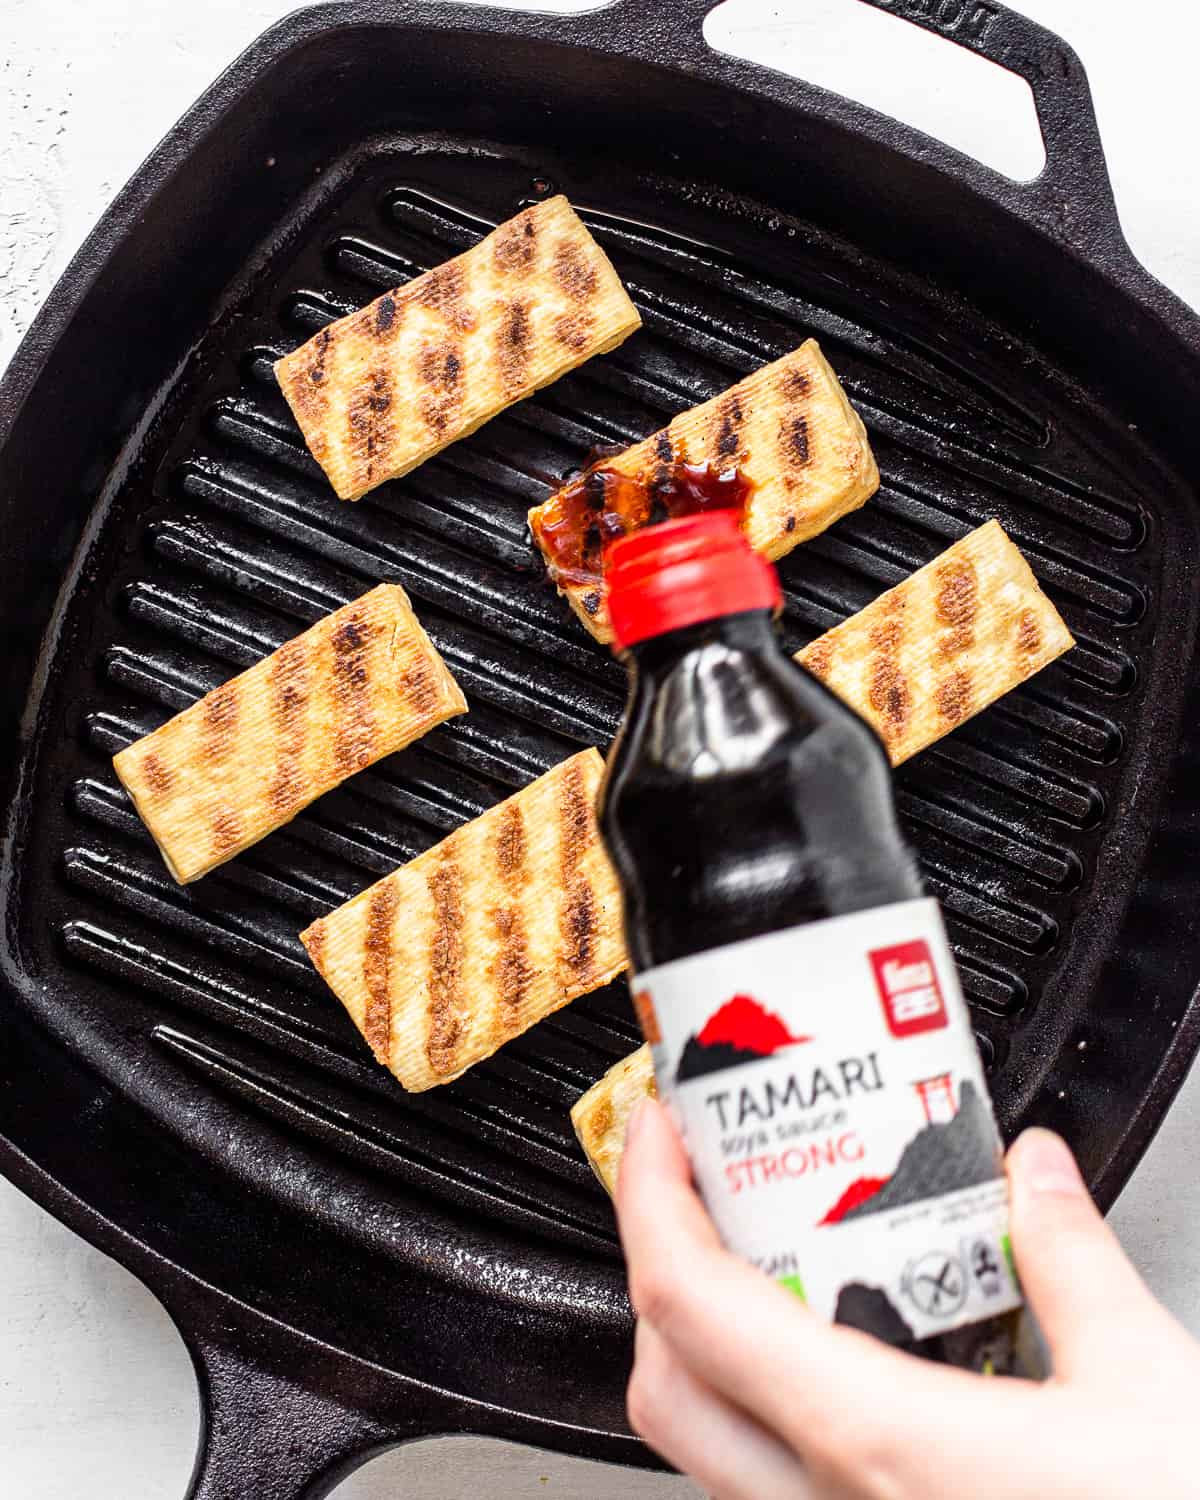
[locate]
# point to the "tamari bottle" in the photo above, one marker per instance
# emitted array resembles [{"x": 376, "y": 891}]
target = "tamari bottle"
[{"x": 808, "y": 1029}]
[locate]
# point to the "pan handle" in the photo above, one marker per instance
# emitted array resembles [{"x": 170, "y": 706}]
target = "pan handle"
[
  {"x": 1052, "y": 69},
  {"x": 1075, "y": 166},
  {"x": 284, "y": 1417},
  {"x": 265, "y": 1438}
]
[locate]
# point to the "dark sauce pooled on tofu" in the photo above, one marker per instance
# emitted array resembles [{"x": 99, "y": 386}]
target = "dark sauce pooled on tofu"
[{"x": 591, "y": 511}]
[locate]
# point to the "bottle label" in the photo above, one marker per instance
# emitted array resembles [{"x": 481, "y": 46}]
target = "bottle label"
[{"x": 830, "y": 1094}]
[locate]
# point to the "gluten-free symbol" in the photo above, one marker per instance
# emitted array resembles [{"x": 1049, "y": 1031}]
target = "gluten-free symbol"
[
  {"x": 985, "y": 1267},
  {"x": 937, "y": 1283}
]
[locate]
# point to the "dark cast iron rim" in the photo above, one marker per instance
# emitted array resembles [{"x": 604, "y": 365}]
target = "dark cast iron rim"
[{"x": 271, "y": 1425}]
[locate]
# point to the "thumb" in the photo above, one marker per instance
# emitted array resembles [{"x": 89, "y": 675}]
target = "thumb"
[{"x": 1080, "y": 1284}]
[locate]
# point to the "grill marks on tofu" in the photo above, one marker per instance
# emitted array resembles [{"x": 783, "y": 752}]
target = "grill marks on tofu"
[
  {"x": 942, "y": 645},
  {"x": 511, "y": 970},
  {"x": 514, "y": 336},
  {"x": 956, "y": 604},
  {"x": 446, "y": 1016},
  {"x": 439, "y": 380},
  {"x": 158, "y": 778},
  {"x": 241, "y": 762},
  {"x": 290, "y": 681},
  {"x": 888, "y": 690},
  {"x": 380, "y": 391},
  {"x": 219, "y": 713},
  {"x": 383, "y": 317},
  {"x": 574, "y": 271},
  {"x": 444, "y": 290},
  {"x": 954, "y": 695},
  {"x": 351, "y": 686},
  {"x": 725, "y": 436},
  {"x": 514, "y": 247},
  {"x": 308, "y": 396},
  {"x": 377, "y": 971},
  {"x": 370, "y": 417},
  {"x": 512, "y": 916},
  {"x": 577, "y": 912},
  {"x": 219, "y": 722},
  {"x": 791, "y": 432}
]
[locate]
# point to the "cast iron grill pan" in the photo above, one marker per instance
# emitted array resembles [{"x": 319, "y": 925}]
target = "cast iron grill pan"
[{"x": 214, "y": 1105}]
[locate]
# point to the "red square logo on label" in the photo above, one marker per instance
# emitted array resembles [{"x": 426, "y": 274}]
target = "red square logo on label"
[{"x": 908, "y": 986}]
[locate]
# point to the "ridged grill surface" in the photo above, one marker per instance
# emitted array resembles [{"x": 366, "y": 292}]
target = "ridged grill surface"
[{"x": 225, "y": 540}]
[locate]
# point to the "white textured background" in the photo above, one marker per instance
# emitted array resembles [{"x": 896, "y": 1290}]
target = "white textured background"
[{"x": 96, "y": 1391}]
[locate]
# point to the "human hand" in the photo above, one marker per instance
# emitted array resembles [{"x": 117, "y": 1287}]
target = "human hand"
[{"x": 738, "y": 1384}]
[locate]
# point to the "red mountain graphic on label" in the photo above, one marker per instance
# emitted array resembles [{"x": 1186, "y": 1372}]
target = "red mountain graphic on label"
[
  {"x": 855, "y": 1195},
  {"x": 742, "y": 1031},
  {"x": 742, "y": 1022}
]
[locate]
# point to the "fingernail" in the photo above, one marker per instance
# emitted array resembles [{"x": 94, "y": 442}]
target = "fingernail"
[
  {"x": 1046, "y": 1165},
  {"x": 636, "y": 1121}
]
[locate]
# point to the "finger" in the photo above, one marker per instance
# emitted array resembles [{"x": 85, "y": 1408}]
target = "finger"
[
  {"x": 655, "y": 1171},
  {"x": 727, "y": 1452},
  {"x": 853, "y": 1409},
  {"x": 1079, "y": 1282}
]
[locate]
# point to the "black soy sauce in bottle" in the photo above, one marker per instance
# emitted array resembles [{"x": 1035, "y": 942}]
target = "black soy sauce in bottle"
[{"x": 796, "y": 986}]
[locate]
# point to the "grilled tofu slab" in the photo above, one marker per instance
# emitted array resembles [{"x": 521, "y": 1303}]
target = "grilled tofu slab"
[
  {"x": 380, "y": 391},
  {"x": 601, "y": 1116},
  {"x": 788, "y": 429},
  {"x": 514, "y": 915},
  {"x": 943, "y": 644},
  {"x": 939, "y": 647},
  {"x": 245, "y": 759}
]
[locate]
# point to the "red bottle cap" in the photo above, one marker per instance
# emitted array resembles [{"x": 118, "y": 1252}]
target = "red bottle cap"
[{"x": 681, "y": 572}]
